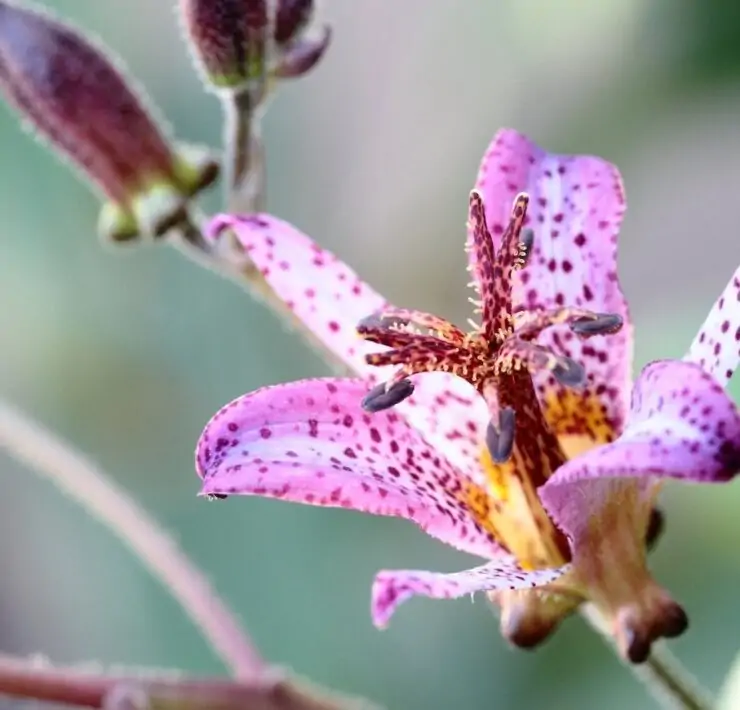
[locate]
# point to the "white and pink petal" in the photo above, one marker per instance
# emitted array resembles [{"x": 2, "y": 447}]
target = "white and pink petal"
[
  {"x": 393, "y": 587},
  {"x": 716, "y": 347},
  {"x": 682, "y": 425},
  {"x": 329, "y": 298},
  {"x": 310, "y": 442},
  {"x": 322, "y": 292}
]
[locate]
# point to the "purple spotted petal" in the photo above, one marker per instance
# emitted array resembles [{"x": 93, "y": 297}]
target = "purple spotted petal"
[
  {"x": 310, "y": 442},
  {"x": 330, "y": 298},
  {"x": 575, "y": 210},
  {"x": 682, "y": 425},
  {"x": 393, "y": 587},
  {"x": 717, "y": 346}
]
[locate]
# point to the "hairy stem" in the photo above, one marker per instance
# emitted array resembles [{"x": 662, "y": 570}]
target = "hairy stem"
[
  {"x": 244, "y": 159},
  {"x": 269, "y": 691},
  {"x": 672, "y": 685},
  {"x": 88, "y": 485}
]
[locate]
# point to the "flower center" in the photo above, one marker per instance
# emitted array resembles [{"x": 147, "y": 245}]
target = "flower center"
[{"x": 498, "y": 358}]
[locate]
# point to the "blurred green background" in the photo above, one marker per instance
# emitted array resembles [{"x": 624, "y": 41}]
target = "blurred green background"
[{"x": 128, "y": 354}]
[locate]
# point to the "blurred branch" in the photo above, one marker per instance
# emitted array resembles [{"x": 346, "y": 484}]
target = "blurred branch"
[
  {"x": 672, "y": 685},
  {"x": 269, "y": 691},
  {"x": 87, "y": 484},
  {"x": 244, "y": 159}
]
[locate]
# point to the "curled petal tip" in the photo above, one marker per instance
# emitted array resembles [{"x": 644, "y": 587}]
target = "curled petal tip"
[
  {"x": 600, "y": 324},
  {"x": 216, "y": 496},
  {"x": 383, "y": 397}
]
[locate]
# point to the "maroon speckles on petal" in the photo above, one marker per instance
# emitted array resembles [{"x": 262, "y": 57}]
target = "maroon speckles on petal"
[
  {"x": 576, "y": 268},
  {"x": 716, "y": 347},
  {"x": 392, "y": 588},
  {"x": 313, "y": 454},
  {"x": 681, "y": 425}
]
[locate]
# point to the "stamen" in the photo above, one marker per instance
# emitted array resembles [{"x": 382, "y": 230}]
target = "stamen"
[
  {"x": 600, "y": 324},
  {"x": 568, "y": 372},
  {"x": 387, "y": 395},
  {"x": 500, "y": 441}
]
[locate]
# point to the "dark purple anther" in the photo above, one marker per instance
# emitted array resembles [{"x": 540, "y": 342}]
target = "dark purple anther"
[{"x": 382, "y": 397}]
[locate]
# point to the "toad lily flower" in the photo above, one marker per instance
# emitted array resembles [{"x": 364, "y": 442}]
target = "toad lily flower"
[{"x": 515, "y": 442}]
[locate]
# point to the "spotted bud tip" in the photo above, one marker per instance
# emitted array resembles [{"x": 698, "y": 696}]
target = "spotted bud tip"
[
  {"x": 383, "y": 397},
  {"x": 568, "y": 372},
  {"x": 500, "y": 440},
  {"x": 240, "y": 45},
  {"x": 76, "y": 97},
  {"x": 600, "y": 324}
]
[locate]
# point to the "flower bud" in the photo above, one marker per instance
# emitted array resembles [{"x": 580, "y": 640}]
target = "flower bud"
[
  {"x": 241, "y": 45},
  {"x": 75, "y": 97}
]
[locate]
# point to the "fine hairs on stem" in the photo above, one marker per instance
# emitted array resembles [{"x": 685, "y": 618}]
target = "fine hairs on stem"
[
  {"x": 667, "y": 680},
  {"x": 83, "y": 481},
  {"x": 244, "y": 158}
]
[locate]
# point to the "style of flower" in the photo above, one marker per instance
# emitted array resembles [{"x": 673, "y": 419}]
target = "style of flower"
[{"x": 515, "y": 442}]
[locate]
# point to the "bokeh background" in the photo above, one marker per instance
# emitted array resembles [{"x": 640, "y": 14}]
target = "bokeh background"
[{"x": 128, "y": 354}]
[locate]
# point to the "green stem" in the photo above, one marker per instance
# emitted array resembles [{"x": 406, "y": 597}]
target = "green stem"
[
  {"x": 667, "y": 680},
  {"x": 77, "y": 476},
  {"x": 244, "y": 159}
]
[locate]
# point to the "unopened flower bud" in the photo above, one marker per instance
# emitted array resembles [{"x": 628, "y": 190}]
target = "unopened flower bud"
[
  {"x": 241, "y": 45},
  {"x": 75, "y": 97}
]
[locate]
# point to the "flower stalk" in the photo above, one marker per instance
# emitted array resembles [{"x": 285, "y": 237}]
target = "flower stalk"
[
  {"x": 73, "y": 473},
  {"x": 663, "y": 675},
  {"x": 244, "y": 160}
]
